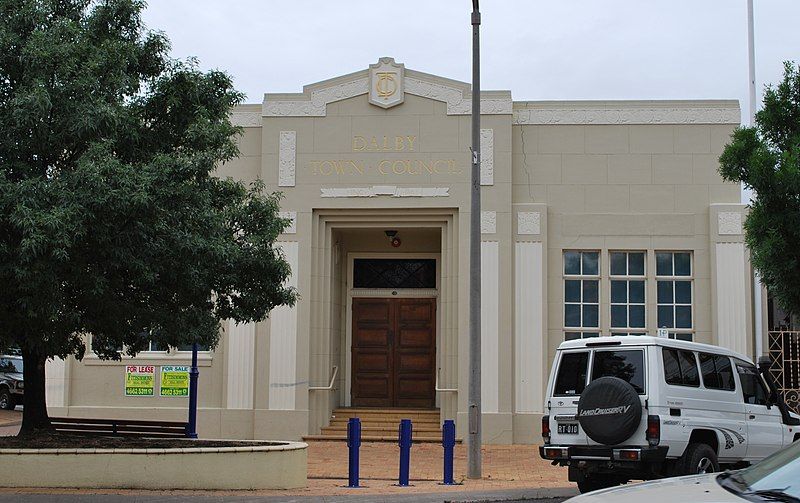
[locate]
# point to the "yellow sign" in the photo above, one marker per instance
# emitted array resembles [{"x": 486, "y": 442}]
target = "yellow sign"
[
  {"x": 174, "y": 381},
  {"x": 139, "y": 380},
  {"x": 385, "y": 84}
]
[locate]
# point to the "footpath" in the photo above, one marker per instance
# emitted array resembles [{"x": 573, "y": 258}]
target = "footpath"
[{"x": 510, "y": 472}]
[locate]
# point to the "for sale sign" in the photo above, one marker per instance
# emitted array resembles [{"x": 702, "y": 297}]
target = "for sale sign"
[
  {"x": 140, "y": 380},
  {"x": 174, "y": 381}
]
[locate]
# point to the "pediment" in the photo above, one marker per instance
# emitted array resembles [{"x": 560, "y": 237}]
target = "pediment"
[{"x": 314, "y": 99}]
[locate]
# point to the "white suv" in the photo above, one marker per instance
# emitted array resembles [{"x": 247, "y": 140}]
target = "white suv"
[{"x": 633, "y": 407}]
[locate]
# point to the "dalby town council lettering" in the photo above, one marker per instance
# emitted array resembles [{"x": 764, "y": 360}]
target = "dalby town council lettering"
[{"x": 385, "y": 144}]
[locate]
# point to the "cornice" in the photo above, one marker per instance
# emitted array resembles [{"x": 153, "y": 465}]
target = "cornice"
[{"x": 627, "y": 112}]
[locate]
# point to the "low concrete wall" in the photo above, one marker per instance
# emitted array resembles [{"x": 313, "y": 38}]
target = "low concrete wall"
[{"x": 262, "y": 466}]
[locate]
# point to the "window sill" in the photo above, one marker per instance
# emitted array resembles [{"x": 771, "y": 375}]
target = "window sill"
[{"x": 204, "y": 359}]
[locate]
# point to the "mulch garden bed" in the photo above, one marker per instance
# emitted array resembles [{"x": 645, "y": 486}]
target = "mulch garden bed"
[{"x": 66, "y": 441}]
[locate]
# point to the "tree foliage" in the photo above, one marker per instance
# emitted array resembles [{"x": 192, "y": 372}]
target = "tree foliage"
[
  {"x": 112, "y": 222},
  {"x": 766, "y": 159}
]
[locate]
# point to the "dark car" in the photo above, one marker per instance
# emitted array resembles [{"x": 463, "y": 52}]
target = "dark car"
[{"x": 11, "y": 385}]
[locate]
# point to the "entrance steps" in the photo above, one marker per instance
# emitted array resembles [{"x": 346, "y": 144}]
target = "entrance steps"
[{"x": 381, "y": 424}]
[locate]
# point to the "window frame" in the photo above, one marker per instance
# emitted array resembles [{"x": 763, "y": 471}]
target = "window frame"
[
  {"x": 627, "y": 278},
  {"x": 618, "y": 349},
  {"x": 696, "y": 364},
  {"x": 589, "y": 354},
  {"x": 716, "y": 371},
  {"x": 675, "y": 332},
  {"x": 582, "y": 332},
  {"x": 759, "y": 379}
]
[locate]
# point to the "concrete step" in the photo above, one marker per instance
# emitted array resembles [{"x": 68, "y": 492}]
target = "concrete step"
[
  {"x": 333, "y": 430},
  {"x": 384, "y": 438},
  {"x": 384, "y": 423}
]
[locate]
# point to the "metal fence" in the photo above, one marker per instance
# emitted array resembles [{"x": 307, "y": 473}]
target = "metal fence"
[{"x": 784, "y": 354}]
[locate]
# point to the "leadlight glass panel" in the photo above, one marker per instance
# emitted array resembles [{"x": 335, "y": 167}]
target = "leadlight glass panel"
[{"x": 394, "y": 273}]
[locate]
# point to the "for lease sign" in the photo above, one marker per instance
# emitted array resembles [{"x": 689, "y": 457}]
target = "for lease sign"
[
  {"x": 139, "y": 380},
  {"x": 174, "y": 381}
]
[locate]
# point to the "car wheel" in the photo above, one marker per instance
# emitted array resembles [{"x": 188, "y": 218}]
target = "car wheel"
[
  {"x": 698, "y": 459},
  {"x": 596, "y": 483},
  {"x": 6, "y": 400}
]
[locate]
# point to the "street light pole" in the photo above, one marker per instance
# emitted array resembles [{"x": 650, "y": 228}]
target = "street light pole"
[{"x": 474, "y": 400}]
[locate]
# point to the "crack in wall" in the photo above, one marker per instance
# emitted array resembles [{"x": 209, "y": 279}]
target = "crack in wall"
[{"x": 525, "y": 162}]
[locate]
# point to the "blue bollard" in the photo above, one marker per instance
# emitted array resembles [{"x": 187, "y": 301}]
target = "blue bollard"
[
  {"x": 448, "y": 442},
  {"x": 353, "y": 444},
  {"x": 405, "y": 451}
]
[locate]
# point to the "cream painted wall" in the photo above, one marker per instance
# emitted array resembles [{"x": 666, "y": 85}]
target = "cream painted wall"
[{"x": 565, "y": 175}]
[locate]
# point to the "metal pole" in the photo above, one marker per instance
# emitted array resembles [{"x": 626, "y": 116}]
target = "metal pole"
[
  {"x": 353, "y": 445},
  {"x": 757, "y": 287},
  {"x": 448, "y": 442},
  {"x": 751, "y": 56},
  {"x": 474, "y": 400},
  {"x": 405, "y": 451},
  {"x": 193, "y": 374}
]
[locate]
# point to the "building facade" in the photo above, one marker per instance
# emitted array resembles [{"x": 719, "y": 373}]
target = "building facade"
[{"x": 597, "y": 218}]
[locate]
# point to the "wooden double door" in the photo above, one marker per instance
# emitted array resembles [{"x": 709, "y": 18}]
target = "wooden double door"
[{"x": 393, "y": 352}]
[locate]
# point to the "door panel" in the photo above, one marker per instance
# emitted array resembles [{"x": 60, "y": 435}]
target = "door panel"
[
  {"x": 371, "y": 353},
  {"x": 394, "y": 352}
]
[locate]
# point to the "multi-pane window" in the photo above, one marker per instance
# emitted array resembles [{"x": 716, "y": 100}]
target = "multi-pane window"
[
  {"x": 581, "y": 294},
  {"x": 627, "y": 293},
  {"x": 674, "y": 287}
]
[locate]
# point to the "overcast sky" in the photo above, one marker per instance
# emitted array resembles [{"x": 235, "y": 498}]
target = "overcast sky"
[{"x": 537, "y": 49}]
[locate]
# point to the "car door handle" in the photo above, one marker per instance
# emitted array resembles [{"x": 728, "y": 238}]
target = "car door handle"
[{"x": 752, "y": 416}]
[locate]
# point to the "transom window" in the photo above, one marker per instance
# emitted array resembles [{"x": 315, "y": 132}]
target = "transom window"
[
  {"x": 581, "y": 294},
  {"x": 394, "y": 273},
  {"x": 628, "y": 273},
  {"x": 674, "y": 286}
]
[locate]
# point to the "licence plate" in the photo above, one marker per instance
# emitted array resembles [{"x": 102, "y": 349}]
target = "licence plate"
[{"x": 569, "y": 428}]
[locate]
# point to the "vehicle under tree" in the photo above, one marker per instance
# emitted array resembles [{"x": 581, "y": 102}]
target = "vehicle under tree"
[{"x": 112, "y": 222}]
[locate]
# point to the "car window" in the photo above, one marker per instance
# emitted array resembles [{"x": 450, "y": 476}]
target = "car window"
[
  {"x": 571, "y": 378},
  {"x": 10, "y": 365},
  {"x": 753, "y": 390},
  {"x": 776, "y": 472},
  {"x": 627, "y": 365},
  {"x": 680, "y": 367},
  {"x": 717, "y": 372}
]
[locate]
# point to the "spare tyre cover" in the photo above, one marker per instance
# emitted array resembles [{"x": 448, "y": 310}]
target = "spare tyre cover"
[{"x": 609, "y": 410}]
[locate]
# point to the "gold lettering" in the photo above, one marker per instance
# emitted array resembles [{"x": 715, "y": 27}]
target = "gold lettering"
[
  {"x": 359, "y": 143},
  {"x": 403, "y": 167},
  {"x": 381, "y": 166},
  {"x": 399, "y": 143},
  {"x": 429, "y": 167},
  {"x": 373, "y": 144},
  {"x": 315, "y": 167},
  {"x": 411, "y": 140},
  {"x": 329, "y": 170},
  {"x": 357, "y": 167},
  {"x": 386, "y": 143}
]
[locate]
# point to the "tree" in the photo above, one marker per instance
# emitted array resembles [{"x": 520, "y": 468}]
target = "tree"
[
  {"x": 766, "y": 159},
  {"x": 112, "y": 221}
]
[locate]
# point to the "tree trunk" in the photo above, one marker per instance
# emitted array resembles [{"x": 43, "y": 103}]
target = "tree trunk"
[{"x": 34, "y": 415}]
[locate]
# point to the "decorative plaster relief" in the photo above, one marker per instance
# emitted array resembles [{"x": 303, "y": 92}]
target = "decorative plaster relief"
[
  {"x": 287, "y": 153},
  {"x": 320, "y": 98},
  {"x": 627, "y": 115},
  {"x": 529, "y": 223},
  {"x": 386, "y": 190},
  {"x": 488, "y": 222},
  {"x": 386, "y": 83},
  {"x": 456, "y": 103},
  {"x": 316, "y": 107},
  {"x": 729, "y": 223},
  {"x": 245, "y": 119},
  {"x": 290, "y": 215},
  {"x": 487, "y": 156}
]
